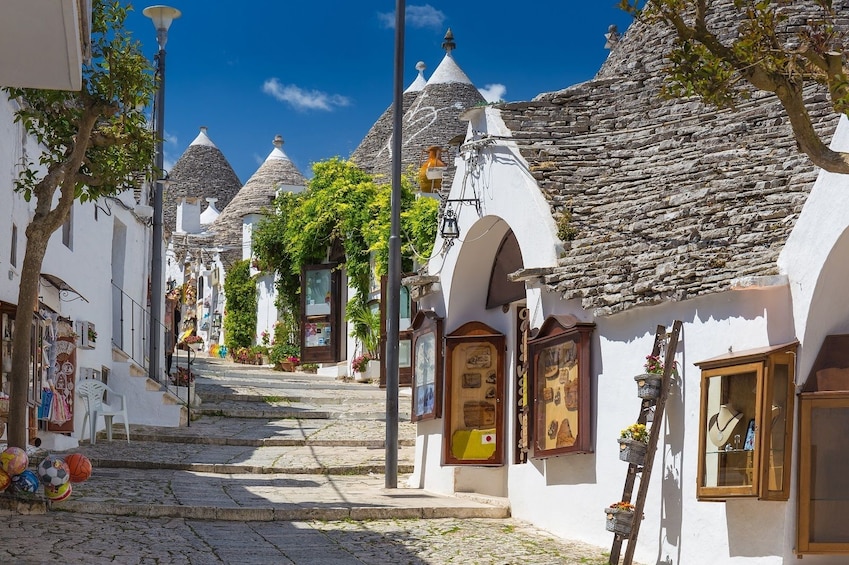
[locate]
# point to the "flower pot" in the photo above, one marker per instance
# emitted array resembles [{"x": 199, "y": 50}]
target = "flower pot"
[
  {"x": 371, "y": 373},
  {"x": 648, "y": 385},
  {"x": 619, "y": 521},
  {"x": 632, "y": 451},
  {"x": 196, "y": 346},
  {"x": 286, "y": 366}
]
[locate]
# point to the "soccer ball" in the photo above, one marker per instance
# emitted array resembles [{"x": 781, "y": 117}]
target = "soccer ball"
[
  {"x": 53, "y": 472},
  {"x": 79, "y": 466},
  {"x": 25, "y": 482},
  {"x": 58, "y": 494},
  {"x": 13, "y": 460}
]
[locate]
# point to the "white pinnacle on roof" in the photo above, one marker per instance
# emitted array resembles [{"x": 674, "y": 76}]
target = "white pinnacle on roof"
[
  {"x": 208, "y": 216},
  {"x": 448, "y": 71},
  {"x": 420, "y": 82},
  {"x": 277, "y": 152},
  {"x": 202, "y": 138}
]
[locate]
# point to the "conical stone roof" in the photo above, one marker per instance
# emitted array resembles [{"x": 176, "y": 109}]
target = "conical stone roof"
[
  {"x": 276, "y": 173},
  {"x": 380, "y": 135},
  {"x": 432, "y": 118},
  {"x": 202, "y": 171}
]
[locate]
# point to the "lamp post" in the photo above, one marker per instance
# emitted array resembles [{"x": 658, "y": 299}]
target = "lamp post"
[
  {"x": 393, "y": 306},
  {"x": 162, "y": 16}
]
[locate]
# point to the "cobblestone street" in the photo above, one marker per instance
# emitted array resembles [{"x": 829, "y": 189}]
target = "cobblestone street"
[{"x": 61, "y": 537}]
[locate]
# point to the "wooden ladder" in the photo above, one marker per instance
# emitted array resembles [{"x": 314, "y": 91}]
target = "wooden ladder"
[{"x": 662, "y": 341}]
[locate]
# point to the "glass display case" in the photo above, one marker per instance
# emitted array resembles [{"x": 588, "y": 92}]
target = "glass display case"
[
  {"x": 427, "y": 366},
  {"x": 560, "y": 365},
  {"x": 746, "y": 424},
  {"x": 474, "y": 391}
]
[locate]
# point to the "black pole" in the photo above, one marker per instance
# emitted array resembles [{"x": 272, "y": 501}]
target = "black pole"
[
  {"x": 393, "y": 299},
  {"x": 156, "y": 257}
]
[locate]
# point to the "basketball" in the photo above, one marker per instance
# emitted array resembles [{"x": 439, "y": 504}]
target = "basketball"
[
  {"x": 13, "y": 460},
  {"x": 5, "y": 480},
  {"x": 58, "y": 494},
  {"x": 25, "y": 482},
  {"x": 79, "y": 466},
  {"x": 53, "y": 471}
]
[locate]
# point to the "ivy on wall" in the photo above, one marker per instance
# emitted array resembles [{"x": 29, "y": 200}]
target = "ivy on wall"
[
  {"x": 342, "y": 208},
  {"x": 240, "y": 319}
]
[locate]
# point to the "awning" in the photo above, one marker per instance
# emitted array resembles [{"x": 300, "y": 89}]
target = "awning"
[{"x": 64, "y": 288}]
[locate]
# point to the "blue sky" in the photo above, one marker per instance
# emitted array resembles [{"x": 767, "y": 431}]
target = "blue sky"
[{"x": 320, "y": 73}]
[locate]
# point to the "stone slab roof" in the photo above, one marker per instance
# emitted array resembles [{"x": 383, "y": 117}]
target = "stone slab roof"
[
  {"x": 276, "y": 172},
  {"x": 670, "y": 199},
  {"x": 201, "y": 171}
]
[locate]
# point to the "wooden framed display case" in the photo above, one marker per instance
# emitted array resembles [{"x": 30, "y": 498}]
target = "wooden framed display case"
[
  {"x": 427, "y": 366},
  {"x": 824, "y": 452},
  {"x": 562, "y": 402},
  {"x": 322, "y": 335},
  {"x": 746, "y": 424},
  {"x": 474, "y": 393}
]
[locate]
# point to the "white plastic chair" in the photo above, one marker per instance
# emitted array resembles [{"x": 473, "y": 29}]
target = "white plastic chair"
[{"x": 91, "y": 391}]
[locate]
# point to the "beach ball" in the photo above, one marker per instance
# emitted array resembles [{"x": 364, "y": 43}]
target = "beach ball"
[
  {"x": 5, "y": 480},
  {"x": 79, "y": 467},
  {"x": 53, "y": 471},
  {"x": 13, "y": 460},
  {"x": 59, "y": 493},
  {"x": 25, "y": 482}
]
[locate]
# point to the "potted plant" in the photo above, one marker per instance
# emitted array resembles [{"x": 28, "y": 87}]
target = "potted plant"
[
  {"x": 633, "y": 444},
  {"x": 195, "y": 342},
  {"x": 282, "y": 356},
  {"x": 649, "y": 383},
  {"x": 620, "y": 518},
  {"x": 360, "y": 366}
]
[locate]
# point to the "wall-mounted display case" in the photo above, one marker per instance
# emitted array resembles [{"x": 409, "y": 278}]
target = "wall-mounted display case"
[
  {"x": 474, "y": 396},
  {"x": 560, "y": 365},
  {"x": 824, "y": 452},
  {"x": 746, "y": 424},
  {"x": 427, "y": 366}
]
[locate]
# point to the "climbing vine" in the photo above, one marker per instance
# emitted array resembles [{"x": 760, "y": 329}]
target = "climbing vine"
[
  {"x": 342, "y": 209},
  {"x": 240, "y": 319}
]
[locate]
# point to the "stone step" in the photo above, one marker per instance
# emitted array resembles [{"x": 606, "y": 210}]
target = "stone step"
[
  {"x": 268, "y": 497},
  {"x": 241, "y": 459}
]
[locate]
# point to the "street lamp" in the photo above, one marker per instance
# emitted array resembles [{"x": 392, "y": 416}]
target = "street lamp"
[{"x": 162, "y": 16}]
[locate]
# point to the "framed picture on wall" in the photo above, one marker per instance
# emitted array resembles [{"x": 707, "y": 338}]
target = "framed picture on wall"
[
  {"x": 560, "y": 367},
  {"x": 427, "y": 366}
]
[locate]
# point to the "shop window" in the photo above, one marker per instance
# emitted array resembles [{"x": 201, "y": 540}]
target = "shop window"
[
  {"x": 746, "y": 424},
  {"x": 560, "y": 372},
  {"x": 823, "y": 448},
  {"x": 474, "y": 396},
  {"x": 322, "y": 337}
]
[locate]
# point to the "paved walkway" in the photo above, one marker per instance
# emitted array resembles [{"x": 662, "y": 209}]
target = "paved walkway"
[{"x": 278, "y": 468}]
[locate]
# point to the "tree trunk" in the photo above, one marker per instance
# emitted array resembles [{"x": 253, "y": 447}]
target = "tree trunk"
[{"x": 21, "y": 352}]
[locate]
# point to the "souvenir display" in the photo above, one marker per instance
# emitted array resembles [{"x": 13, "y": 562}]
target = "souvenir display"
[
  {"x": 474, "y": 390},
  {"x": 560, "y": 364},
  {"x": 426, "y": 379}
]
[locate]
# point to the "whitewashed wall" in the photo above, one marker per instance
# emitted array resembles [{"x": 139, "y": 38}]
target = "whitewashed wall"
[{"x": 567, "y": 494}]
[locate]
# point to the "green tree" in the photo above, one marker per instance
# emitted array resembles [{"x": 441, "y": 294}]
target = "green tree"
[
  {"x": 240, "y": 317},
  {"x": 93, "y": 142},
  {"x": 765, "y": 52}
]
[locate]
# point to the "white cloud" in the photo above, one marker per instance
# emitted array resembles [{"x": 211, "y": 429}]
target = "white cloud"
[
  {"x": 301, "y": 99},
  {"x": 493, "y": 92},
  {"x": 415, "y": 16}
]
